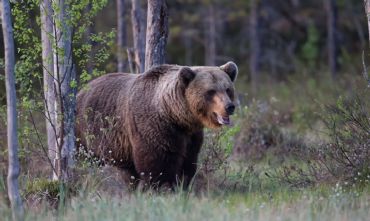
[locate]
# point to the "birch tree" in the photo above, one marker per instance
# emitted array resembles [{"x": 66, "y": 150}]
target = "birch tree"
[
  {"x": 156, "y": 33},
  {"x": 64, "y": 75},
  {"x": 48, "y": 73},
  {"x": 367, "y": 11},
  {"x": 11, "y": 100},
  {"x": 138, "y": 31}
]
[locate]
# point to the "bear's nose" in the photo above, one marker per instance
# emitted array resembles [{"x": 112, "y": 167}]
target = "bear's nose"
[{"x": 230, "y": 108}]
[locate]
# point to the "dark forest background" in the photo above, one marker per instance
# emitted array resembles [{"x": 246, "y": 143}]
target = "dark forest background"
[{"x": 291, "y": 36}]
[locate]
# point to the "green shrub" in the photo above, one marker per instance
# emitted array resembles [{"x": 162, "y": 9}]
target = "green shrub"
[
  {"x": 262, "y": 132},
  {"x": 348, "y": 152},
  {"x": 42, "y": 187},
  {"x": 344, "y": 157}
]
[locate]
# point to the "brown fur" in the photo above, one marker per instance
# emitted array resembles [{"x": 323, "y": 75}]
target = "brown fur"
[{"x": 151, "y": 124}]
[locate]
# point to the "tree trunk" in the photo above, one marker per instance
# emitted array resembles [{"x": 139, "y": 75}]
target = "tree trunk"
[
  {"x": 357, "y": 23},
  {"x": 367, "y": 11},
  {"x": 156, "y": 33},
  {"x": 331, "y": 11},
  {"x": 254, "y": 44},
  {"x": 130, "y": 60},
  {"x": 138, "y": 31},
  {"x": 121, "y": 36},
  {"x": 48, "y": 74},
  {"x": 65, "y": 76},
  {"x": 210, "y": 43},
  {"x": 11, "y": 100}
]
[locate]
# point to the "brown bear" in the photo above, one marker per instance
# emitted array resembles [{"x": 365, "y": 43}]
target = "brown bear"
[{"x": 151, "y": 124}]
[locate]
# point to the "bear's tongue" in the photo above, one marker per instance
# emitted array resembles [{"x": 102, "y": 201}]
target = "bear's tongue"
[{"x": 223, "y": 120}]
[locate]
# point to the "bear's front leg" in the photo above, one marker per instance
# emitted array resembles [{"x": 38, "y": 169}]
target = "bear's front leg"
[
  {"x": 189, "y": 167},
  {"x": 157, "y": 168}
]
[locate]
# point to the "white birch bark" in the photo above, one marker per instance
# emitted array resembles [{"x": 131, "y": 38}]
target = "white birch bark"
[
  {"x": 367, "y": 11},
  {"x": 64, "y": 72},
  {"x": 48, "y": 74},
  {"x": 11, "y": 100}
]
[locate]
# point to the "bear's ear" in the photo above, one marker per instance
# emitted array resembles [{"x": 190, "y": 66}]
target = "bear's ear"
[
  {"x": 186, "y": 75},
  {"x": 230, "y": 69}
]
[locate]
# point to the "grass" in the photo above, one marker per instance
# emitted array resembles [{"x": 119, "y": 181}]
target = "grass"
[{"x": 284, "y": 204}]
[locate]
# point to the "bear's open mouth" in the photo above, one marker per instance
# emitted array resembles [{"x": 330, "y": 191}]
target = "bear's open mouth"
[{"x": 222, "y": 120}]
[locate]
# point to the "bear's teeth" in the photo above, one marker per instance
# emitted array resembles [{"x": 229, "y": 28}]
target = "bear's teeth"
[{"x": 223, "y": 120}]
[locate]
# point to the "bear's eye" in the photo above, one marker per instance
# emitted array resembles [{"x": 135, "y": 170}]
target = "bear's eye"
[
  {"x": 210, "y": 93},
  {"x": 229, "y": 92}
]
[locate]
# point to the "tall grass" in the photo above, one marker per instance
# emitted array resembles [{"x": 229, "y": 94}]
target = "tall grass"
[{"x": 319, "y": 204}]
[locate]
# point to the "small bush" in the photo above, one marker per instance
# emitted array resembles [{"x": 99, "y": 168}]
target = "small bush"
[
  {"x": 344, "y": 156},
  {"x": 39, "y": 191},
  {"x": 43, "y": 187},
  {"x": 348, "y": 152},
  {"x": 217, "y": 149},
  {"x": 262, "y": 132},
  {"x": 214, "y": 159}
]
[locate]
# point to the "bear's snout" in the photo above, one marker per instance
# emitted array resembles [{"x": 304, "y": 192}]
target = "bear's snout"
[{"x": 230, "y": 108}]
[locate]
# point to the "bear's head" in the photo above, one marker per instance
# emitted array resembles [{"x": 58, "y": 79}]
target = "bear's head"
[{"x": 209, "y": 92}]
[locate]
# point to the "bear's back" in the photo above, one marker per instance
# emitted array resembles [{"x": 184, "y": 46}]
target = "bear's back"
[{"x": 101, "y": 94}]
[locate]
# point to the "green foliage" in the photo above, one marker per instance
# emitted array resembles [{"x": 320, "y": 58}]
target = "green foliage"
[
  {"x": 310, "y": 49},
  {"x": 348, "y": 123},
  {"x": 42, "y": 186},
  {"x": 343, "y": 154},
  {"x": 82, "y": 18},
  {"x": 216, "y": 150},
  {"x": 28, "y": 48},
  {"x": 93, "y": 50},
  {"x": 104, "y": 43},
  {"x": 227, "y": 138},
  {"x": 2, "y": 184},
  {"x": 29, "y": 68}
]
